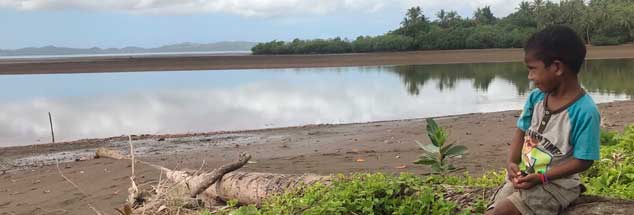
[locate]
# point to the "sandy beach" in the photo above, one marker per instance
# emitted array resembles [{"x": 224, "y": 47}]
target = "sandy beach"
[{"x": 30, "y": 182}]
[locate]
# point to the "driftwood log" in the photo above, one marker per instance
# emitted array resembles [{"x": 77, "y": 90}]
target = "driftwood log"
[
  {"x": 252, "y": 188},
  {"x": 220, "y": 185}
]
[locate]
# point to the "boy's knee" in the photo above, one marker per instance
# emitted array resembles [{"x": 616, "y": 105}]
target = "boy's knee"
[{"x": 504, "y": 207}]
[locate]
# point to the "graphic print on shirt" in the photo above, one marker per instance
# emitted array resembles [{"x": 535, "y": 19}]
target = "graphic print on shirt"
[{"x": 534, "y": 158}]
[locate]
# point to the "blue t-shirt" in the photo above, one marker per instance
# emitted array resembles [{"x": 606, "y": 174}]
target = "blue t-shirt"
[{"x": 553, "y": 136}]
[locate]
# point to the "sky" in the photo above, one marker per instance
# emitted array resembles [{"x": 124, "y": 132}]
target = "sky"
[{"x": 152, "y": 23}]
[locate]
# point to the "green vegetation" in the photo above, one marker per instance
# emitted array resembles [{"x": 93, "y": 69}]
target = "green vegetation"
[
  {"x": 613, "y": 175},
  {"x": 437, "y": 153},
  {"x": 377, "y": 193},
  {"x": 372, "y": 194},
  {"x": 600, "y": 22}
]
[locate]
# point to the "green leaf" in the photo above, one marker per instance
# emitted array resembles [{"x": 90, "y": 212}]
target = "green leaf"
[
  {"x": 443, "y": 150},
  {"x": 436, "y": 134},
  {"x": 433, "y": 139},
  {"x": 436, "y": 167},
  {"x": 430, "y": 148},
  {"x": 441, "y": 136},
  {"x": 455, "y": 151},
  {"x": 426, "y": 160},
  {"x": 432, "y": 132},
  {"x": 419, "y": 144},
  {"x": 431, "y": 126}
]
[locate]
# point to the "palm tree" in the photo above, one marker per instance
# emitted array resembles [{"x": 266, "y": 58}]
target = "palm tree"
[
  {"x": 525, "y": 7},
  {"x": 484, "y": 16},
  {"x": 414, "y": 15},
  {"x": 442, "y": 18}
]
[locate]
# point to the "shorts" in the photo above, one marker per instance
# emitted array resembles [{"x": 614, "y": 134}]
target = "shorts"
[{"x": 542, "y": 199}]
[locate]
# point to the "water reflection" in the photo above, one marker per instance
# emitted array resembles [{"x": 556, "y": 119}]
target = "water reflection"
[
  {"x": 601, "y": 76},
  {"x": 110, "y": 104},
  {"x": 482, "y": 75},
  {"x": 609, "y": 76}
]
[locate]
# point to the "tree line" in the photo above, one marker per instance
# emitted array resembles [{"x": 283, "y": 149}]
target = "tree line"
[{"x": 598, "y": 22}]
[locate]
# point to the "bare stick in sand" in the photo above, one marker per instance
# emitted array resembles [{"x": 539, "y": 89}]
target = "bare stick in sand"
[
  {"x": 134, "y": 189},
  {"x": 76, "y": 187},
  {"x": 50, "y": 120}
]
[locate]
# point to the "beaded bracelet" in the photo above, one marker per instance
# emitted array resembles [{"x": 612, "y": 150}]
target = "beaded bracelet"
[{"x": 543, "y": 178}]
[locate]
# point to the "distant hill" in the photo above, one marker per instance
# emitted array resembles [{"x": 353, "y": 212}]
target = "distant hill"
[{"x": 181, "y": 47}]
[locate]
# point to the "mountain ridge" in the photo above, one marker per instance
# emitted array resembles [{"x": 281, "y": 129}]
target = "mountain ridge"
[{"x": 179, "y": 47}]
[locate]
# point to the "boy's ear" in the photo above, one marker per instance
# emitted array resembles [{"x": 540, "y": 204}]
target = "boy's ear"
[{"x": 558, "y": 66}]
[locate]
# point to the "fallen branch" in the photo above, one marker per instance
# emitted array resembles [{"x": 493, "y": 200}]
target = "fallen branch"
[
  {"x": 202, "y": 182},
  {"x": 109, "y": 153},
  {"x": 114, "y": 154}
]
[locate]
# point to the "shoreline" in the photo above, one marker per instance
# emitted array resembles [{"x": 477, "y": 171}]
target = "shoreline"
[
  {"x": 238, "y": 62},
  {"x": 93, "y": 143},
  {"x": 142, "y": 136}
]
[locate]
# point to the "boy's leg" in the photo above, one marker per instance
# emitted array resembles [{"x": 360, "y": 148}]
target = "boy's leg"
[
  {"x": 504, "y": 207},
  {"x": 506, "y": 201},
  {"x": 500, "y": 203},
  {"x": 540, "y": 199},
  {"x": 547, "y": 199}
]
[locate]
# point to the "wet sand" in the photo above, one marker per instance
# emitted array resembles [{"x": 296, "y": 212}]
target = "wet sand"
[
  {"x": 243, "y": 61},
  {"x": 34, "y": 186}
]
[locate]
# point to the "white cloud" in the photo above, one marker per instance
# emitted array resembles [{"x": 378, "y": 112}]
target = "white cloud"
[
  {"x": 258, "y": 8},
  {"x": 238, "y": 7}
]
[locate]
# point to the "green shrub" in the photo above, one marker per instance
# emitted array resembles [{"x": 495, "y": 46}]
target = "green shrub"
[
  {"x": 613, "y": 175},
  {"x": 601, "y": 40},
  {"x": 485, "y": 37},
  {"x": 439, "y": 38},
  {"x": 390, "y": 42},
  {"x": 363, "y": 44}
]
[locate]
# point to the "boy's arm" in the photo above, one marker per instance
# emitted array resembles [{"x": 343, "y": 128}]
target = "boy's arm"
[
  {"x": 567, "y": 168},
  {"x": 515, "y": 149},
  {"x": 515, "y": 152}
]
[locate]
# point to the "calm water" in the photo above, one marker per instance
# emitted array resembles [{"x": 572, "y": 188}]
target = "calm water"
[{"x": 111, "y": 104}]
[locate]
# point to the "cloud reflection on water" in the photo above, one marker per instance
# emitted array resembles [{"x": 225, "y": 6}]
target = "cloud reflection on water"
[{"x": 179, "y": 102}]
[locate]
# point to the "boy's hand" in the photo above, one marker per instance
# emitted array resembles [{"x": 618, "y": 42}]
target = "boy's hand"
[
  {"x": 526, "y": 182},
  {"x": 513, "y": 171}
]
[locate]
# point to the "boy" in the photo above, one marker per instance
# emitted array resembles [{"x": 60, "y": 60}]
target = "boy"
[{"x": 558, "y": 131}]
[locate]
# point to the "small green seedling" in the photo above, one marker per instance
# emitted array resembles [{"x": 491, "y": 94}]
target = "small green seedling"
[{"x": 437, "y": 153}]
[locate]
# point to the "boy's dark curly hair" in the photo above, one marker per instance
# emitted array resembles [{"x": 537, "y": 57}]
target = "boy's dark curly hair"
[{"x": 557, "y": 42}]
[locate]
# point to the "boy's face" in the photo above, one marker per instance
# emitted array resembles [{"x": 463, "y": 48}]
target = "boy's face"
[{"x": 546, "y": 78}]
